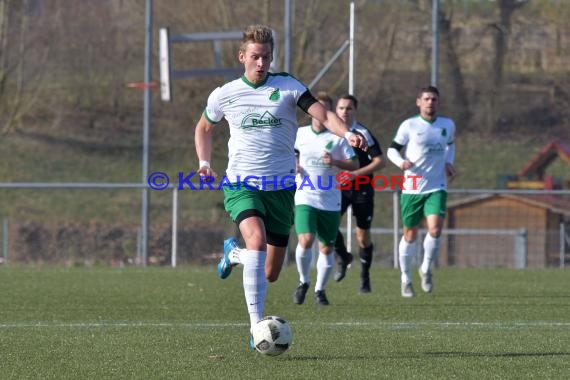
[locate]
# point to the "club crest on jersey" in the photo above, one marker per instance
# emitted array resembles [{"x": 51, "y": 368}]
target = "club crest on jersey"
[
  {"x": 254, "y": 120},
  {"x": 274, "y": 94},
  {"x": 444, "y": 132}
]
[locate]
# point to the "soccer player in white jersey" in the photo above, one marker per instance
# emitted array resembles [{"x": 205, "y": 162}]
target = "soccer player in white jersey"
[
  {"x": 260, "y": 108},
  {"x": 321, "y": 156},
  {"x": 430, "y": 152}
]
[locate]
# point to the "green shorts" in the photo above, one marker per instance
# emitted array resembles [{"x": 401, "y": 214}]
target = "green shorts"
[
  {"x": 275, "y": 207},
  {"x": 323, "y": 224},
  {"x": 417, "y": 206}
]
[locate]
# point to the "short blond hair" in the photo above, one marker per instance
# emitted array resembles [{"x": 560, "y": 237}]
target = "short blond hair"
[{"x": 259, "y": 34}]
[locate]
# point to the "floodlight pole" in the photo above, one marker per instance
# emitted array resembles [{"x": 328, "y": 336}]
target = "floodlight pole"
[
  {"x": 351, "y": 51},
  {"x": 146, "y": 131},
  {"x": 287, "y": 37},
  {"x": 351, "y": 92},
  {"x": 435, "y": 41}
]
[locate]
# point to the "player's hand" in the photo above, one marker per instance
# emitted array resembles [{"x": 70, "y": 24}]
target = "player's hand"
[
  {"x": 327, "y": 159},
  {"x": 406, "y": 165},
  {"x": 358, "y": 141},
  {"x": 208, "y": 174},
  {"x": 450, "y": 172}
]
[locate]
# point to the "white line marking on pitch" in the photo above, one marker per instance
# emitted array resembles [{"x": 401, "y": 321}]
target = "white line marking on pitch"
[{"x": 395, "y": 325}]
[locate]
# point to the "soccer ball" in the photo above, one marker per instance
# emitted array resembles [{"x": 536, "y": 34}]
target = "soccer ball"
[{"x": 272, "y": 336}]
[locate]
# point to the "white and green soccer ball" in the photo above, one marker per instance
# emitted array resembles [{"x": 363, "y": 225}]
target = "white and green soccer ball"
[{"x": 272, "y": 336}]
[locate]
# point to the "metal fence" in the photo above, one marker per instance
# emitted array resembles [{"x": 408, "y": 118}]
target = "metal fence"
[{"x": 484, "y": 227}]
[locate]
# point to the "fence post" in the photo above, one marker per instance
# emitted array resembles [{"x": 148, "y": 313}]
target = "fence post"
[
  {"x": 139, "y": 249},
  {"x": 5, "y": 239},
  {"x": 396, "y": 226},
  {"x": 173, "y": 255},
  {"x": 562, "y": 245},
  {"x": 419, "y": 257},
  {"x": 520, "y": 249},
  {"x": 349, "y": 229}
]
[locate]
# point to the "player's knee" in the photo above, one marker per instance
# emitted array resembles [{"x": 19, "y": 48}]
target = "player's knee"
[
  {"x": 435, "y": 232},
  {"x": 256, "y": 242},
  {"x": 364, "y": 241},
  {"x": 306, "y": 240},
  {"x": 411, "y": 235},
  {"x": 363, "y": 236}
]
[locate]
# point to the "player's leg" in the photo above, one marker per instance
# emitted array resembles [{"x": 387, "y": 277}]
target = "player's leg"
[
  {"x": 412, "y": 214},
  {"x": 344, "y": 257},
  {"x": 304, "y": 256},
  {"x": 305, "y": 227},
  {"x": 327, "y": 227},
  {"x": 247, "y": 210},
  {"x": 254, "y": 258},
  {"x": 240, "y": 205},
  {"x": 365, "y": 252},
  {"x": 434, "y": 209},
  {"x": 325, "y": 265},
  {"x": 364, "y": 213},
  {"x": 406, "y": 253},
  {"x": 279, "y": 217}
]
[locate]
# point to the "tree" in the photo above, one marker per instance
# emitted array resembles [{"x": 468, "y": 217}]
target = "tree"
[
  {"x": 501, "y": 29},
  {"x": 20, "y": 85},
  {"x": 451, "y": 67}
]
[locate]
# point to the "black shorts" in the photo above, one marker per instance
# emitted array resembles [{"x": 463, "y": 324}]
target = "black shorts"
[{"x": 362, "y": 207}]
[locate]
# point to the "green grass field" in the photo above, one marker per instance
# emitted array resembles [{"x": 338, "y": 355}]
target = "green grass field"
[{"x": 185, "y": 323}]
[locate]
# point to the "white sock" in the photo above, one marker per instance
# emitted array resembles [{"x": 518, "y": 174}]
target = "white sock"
[
  {"x": 325, "y": 264},
  {"x": 254, "y": 283},
  {"x": 235, "y": 255},
  {"x": 431, "y": 248},
  {"x": 303, "y": 259},
  {"x": 406, "y": 253}
]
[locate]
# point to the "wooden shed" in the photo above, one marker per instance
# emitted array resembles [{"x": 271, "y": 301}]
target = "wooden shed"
[{"x": 492, "y": 229}]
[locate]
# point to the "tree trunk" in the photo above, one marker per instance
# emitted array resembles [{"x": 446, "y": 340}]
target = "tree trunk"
[
  {"x": 502, "y": 31},
  {"x": 452, "y": 70},
  {"x": 4, "y": 8}
]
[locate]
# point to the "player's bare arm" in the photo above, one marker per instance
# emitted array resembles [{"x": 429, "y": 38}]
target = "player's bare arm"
[
  {"x": 376, "y": 164},
  {"x": 203, "y": 142},
  {"x": 334, "y": 124},
  {"x": 450, "y": 171},
  {"x": 347, "y": 164}
]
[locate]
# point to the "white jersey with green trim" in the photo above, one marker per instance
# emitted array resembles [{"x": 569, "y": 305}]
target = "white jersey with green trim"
[
  {"x": 426, "y": 146},
  {"x": 316, "y": 183},
  {"x": 263, "y": 126}
]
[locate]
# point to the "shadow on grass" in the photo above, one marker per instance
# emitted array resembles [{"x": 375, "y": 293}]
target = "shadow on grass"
[
  {"x": 495, "y": 354},
  {"x": 443, "y": 354}
]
